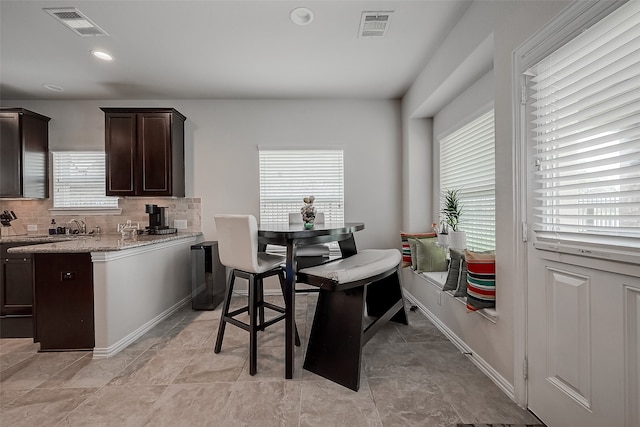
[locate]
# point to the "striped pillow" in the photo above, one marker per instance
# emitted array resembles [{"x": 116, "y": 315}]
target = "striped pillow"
[
  {"x": 481, "y": 280},
  {"x": 406, "y": 247}
]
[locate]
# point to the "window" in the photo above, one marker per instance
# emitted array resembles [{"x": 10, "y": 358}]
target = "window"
[
  {"x": 467, "y": 164},
  {"x": 585, "y": 134},
  {"x": 288, "y": 176},
  {"x": 79, "y": 181}
]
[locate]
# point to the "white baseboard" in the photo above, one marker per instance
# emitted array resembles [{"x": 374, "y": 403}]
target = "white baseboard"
[
  {"x": 103, "y": 353},
  {"x": 487, "y": 369}
]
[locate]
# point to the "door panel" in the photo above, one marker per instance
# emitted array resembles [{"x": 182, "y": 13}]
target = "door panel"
[
  {"x": 154, "y": 153},
  {"x": 120, "y": 143},
  {"x": 17, "y": 289},
  {"x": 10, "y": 155},
  {"x": 583, "y": 342},
  {"x": 568, "y": 332},
  {"x": 632, "y": 355}
]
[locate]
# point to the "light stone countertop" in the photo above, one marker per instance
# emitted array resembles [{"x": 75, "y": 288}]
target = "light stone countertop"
[{"x": 88, "y": 243}]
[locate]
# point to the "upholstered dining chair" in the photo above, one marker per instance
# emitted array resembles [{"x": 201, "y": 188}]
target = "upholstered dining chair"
[{"x": 238, "y": 248}]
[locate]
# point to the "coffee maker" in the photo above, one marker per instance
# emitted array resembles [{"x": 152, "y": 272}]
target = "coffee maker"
[{"x": 158, "y": 220}]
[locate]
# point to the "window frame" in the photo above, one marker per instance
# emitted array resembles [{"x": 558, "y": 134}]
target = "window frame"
[
  {"x": 80, "y": 209},
  {"x": 479, "y": 235},
  {"x": 333, "y": 210},
  {"x": 623, "y": 248}
]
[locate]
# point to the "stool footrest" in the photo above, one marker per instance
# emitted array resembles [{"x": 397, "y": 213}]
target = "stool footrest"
[{"x": 256, "y": 306}]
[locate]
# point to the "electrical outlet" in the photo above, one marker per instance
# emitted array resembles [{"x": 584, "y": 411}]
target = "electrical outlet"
[
  {"x": 32, "y": 227},
  {"x": 180, "y": 224}
]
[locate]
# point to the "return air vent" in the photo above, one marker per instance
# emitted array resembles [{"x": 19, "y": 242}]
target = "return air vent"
[
  {"x": 374, "y": 24},
  {"x": 73, "y": 19}
]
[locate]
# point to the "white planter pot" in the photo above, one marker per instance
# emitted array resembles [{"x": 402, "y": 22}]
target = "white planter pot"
[
  {"x": 443, "y": 239},
  {"x": 457, "y": 240}
]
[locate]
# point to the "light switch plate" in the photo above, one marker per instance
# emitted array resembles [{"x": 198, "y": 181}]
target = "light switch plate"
[{"x": 180, "y": 224}]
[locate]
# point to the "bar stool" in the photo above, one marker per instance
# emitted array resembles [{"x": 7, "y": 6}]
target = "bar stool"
[{"x": 238, "y": 247}]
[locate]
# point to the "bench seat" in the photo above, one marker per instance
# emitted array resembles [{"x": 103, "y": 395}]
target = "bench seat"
[
  {"x": 363, "y": 265},
  {"x": 358, "y": 295}
]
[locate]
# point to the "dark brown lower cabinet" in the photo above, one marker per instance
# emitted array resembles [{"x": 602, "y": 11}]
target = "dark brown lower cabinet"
[
  {"x": 63, "y": 303},
  {"x": 16, "y": 293}
]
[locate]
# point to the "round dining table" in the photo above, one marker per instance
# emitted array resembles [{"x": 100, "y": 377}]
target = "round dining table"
[{"x": 293, "y": 236}]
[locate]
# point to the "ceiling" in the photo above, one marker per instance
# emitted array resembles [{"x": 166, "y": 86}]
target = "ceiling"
[{"x": 211, "y": 49}]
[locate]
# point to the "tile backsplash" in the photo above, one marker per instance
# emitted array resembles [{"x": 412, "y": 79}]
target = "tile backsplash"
[{"x": 36, "y": 212}]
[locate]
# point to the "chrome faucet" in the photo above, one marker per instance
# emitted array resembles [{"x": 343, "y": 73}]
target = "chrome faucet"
[{"x": 81, "y": 226}]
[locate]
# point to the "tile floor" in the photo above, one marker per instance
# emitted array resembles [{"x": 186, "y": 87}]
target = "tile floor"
[{"x": 412, "y": 376}]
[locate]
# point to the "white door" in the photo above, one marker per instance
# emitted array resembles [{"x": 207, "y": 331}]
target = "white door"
[
  {"x": 582, "y": 364},
  {"x": 583, "y": 205}
]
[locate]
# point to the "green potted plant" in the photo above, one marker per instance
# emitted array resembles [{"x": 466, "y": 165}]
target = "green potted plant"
[{"x": 452, "y": 211}]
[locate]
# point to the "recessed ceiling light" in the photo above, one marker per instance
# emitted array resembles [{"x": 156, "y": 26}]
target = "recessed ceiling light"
[
  {"x": 101, "y": 54},
  {"x": 53, "y": 87},
  {"x": 301, "y": 16}
]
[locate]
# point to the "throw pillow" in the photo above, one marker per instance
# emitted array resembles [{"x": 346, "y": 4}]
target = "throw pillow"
[
  {"x": 481, "y": 280},
  {"x": 453, "y": 277},
  {"x": 414, "y": 253},
  {"x": 461, "y": 289},
  {"x": 406, "y": 247},
  {"x": 429, "y": 255}
]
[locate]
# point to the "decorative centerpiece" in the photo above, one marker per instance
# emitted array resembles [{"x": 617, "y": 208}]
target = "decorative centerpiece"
[{"x": 308, "y": 212}]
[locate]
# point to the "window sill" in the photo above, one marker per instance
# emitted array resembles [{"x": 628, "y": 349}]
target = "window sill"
[
  {"x": 85, "y": 211},
  {"x": 438, "y": 279}
]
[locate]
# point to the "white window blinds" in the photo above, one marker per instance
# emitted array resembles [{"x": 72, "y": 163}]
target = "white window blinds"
[
  {"x": 79, "y": 180},
  {"x": 467, "y": 164},
  {"x": 585, "y": 104},
  {"x": 288, "y": 176}
]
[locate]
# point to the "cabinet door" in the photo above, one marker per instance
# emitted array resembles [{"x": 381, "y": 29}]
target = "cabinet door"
[
  {"x": 10, "y": 155},
  {"x": 35, "y": 166},
  {"x": 24, "y": 149},
  {"x": 154, "y": 154},
  {"x": 64, "y": 301},
  {"x": 120, "y": 143},
  {"x": 16, "y": 294}
]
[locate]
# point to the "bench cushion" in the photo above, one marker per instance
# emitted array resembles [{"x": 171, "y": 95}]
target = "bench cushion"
[{"x": 367, "y": 263}]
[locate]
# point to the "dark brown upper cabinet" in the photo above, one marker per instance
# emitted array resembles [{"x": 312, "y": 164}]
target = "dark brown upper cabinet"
[
  {"x": 145, "y": 152},
  {"x": 24, "y": 150}
]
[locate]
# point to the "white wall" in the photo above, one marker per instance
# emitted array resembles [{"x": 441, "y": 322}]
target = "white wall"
[
  {"x": 221, "y": 151},
  {"x": 129, "y": 300},
  {"x": 417, "y": 169},
  {"x": 467, "y": 106},
  {"x": 487, "y": 34}
]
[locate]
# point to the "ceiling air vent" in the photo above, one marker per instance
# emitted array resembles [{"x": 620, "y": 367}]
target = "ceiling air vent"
[
  {"x": 374, "y": 24},
  {"x": 73, "y": 19}
]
